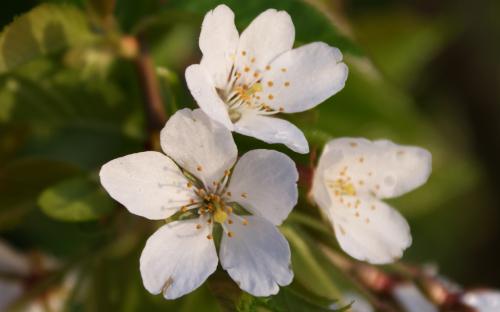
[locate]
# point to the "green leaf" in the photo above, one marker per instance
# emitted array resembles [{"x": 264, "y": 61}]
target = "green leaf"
[
  {"x": 75, "y": 200},
  {"x": 46, "y": 29},
  {"x": 20, "y": 183},
  {"x": 287, "y": 300}
]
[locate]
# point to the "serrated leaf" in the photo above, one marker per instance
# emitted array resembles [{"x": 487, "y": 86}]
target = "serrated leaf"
[
  {"x": 45, "y": 29},
  {"x": 75, "y": 200}
]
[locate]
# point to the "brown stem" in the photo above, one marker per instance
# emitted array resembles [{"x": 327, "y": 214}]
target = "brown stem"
[{"x": 153, "y": 102}]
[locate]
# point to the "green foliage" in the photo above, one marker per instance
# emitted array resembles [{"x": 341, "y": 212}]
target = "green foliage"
[
  {"x": 20, "y": 183},
  {"x": 46, "y": 29},
  {"x": 74, "y": 200},
  {"x": 287, "y": 300}
]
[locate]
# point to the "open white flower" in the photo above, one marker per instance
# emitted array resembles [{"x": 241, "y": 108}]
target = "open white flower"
[
  {"x": 181, "y": 254},
  {"x": 242, "y": 80},
  {"x": 352, "y": 177},
  {"x": 482, "y": 300}
]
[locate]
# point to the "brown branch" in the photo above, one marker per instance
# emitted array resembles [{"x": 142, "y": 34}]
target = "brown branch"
[{"x": 153, "y": 102}]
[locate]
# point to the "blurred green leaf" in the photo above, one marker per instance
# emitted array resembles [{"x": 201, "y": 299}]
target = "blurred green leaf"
[
  {"x": 46, "y": 29},
  {"x": 286, "y": 300},
  {"x": 403, "y": 41},
  {"x": 308, "y": 269},
  {"x": 20, "y": 183},
  {"x": 75, "y": 200}
]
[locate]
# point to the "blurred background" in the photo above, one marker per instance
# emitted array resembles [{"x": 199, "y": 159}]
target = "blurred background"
[{"x": 72, "y": 98}]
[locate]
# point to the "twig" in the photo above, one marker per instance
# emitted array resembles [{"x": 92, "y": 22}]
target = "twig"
[{"x": 153, "y": 102}]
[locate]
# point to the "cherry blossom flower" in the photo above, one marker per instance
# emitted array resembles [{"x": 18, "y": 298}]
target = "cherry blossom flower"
[
  {"x": 194, "y": 184},
  {"x": 352, "y": 178},
  {"x": 242, "y": 80}
]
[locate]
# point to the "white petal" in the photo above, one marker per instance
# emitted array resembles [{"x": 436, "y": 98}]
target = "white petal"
[
  {"x": 268, "y": 35},
  {"x": 302, "y": 78},
  {"x": 380, "y": 168},
  {"x": 202, "y": 88},
  {"x": 272, "y": 130},
  {"x": 411, "y": 299},
  {"x": 218, "y": 43},
  {"x": 198, "y": 144},
  {"x": 148, "y": 184},
  {"x": 368, "y": 229},
  {"x": 177, "y": 259},
  {"x": 483, "y": 300},
  {"x": 257, "y": 257},
  {"x": 268, "y": 180},
  {"x": 319, "y": 190}
]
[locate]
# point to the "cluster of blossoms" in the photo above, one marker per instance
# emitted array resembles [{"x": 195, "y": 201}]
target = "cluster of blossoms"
[{"x": 201, "y": 189}]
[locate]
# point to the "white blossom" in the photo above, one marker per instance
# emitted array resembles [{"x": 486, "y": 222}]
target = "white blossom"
[
  {"x": 181, "y": 254},
  {"x": 244, "y": 79},
  {"x": 483, "y": 300},
  {"x": 352, "y": 178}
]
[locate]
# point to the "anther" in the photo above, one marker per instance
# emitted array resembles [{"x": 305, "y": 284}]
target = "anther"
[
  {"x": 189, "y": 184},
  {"x": 283, "y": 69},
  {"x": 230, "y": 234},
  {"x": 198, "y": 226},
  {"x": 183, "y": 209},
  {"x": 243, "y": 53},
  {"x": 247, "y": 69},
  {"x": 209, "y": 236},
  {"x": 268, "y": 67},
  {"x": 199, "y": 168},
  {"x": 244, "y": 195},
  {"x": 229, "y": 221},
  {"x": 228, "y": 193},
  {"x": 270, "y": 83},
  {"x": 270, "y": 97},
  {"x": 353, "y": 144},
  {"x": 287, "y": 83},
  {"x": 245, "y": 222}
]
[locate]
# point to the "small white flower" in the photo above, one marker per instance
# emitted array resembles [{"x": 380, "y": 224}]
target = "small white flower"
[
  {"x": 483, "y": 300},
  {"x": 181, "y": 254},
  {"x": 411, "y": 299},
  {"x": 352, "y": 177},
  {"x": 242, "y": 80}
]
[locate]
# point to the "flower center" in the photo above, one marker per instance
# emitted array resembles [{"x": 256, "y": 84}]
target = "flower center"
[
  {"x": 248, "y": 89},
  {"x": 214, "y": 205}
]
